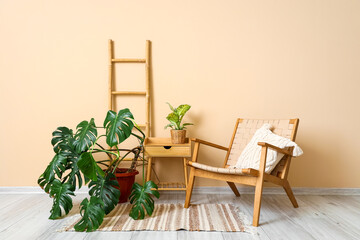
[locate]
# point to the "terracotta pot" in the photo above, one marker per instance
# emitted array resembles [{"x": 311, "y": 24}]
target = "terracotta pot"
[
  {"x": 178, "y": 136},
  {"x": 126, "y": 181}
]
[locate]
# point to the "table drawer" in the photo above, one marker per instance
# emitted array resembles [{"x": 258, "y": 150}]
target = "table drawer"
[{"x": 167, "y": 151}]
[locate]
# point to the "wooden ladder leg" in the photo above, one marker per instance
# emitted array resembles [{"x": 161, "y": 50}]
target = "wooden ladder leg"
[
  {"x": 189, "y": 188},
  {"x": 257, "y": 201},
  {"x": 290, "y": 194},
  {"x": 233, "y": 188}
]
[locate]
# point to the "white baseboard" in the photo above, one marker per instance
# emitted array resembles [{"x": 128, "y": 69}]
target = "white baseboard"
[
  {"x": 279, "y": 190},
  {"x": 210, "y": 190}
]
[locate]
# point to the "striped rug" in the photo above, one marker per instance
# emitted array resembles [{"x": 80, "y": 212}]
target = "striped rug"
[{"x": 172, "y": 217}]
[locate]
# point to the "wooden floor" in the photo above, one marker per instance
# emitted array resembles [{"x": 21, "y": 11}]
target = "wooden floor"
[{"x": 25, "y": 216}]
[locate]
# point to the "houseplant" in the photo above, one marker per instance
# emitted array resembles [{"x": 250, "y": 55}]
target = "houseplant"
[
  {"x": 74, "y": 163},
  {"x": 178, "y": 132}
]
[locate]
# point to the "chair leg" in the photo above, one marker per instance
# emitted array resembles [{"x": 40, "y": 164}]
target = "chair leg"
[
  {"x": 290, "y": 194},
  {"x": 233, "y": 188},
  {"x": 189, "y": 187},
  {"x": 257, "y": 201}
]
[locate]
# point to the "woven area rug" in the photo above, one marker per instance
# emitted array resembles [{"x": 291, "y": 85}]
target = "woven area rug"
[{"x": 173, "y": 217}]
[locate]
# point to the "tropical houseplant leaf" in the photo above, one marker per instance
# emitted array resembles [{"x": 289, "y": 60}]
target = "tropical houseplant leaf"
[
  {"x": 92, "y": 214},
  {"x": 118, "y": 126},
  {"x": 89, "y": 167},
  {"x": 170, "y": 125},
  {"x": 104, "y": 188},
  {"x": 174, "y": 120},
  {"x": 74, "y": 173},
  {"x": 62, "y": 137},
  {"x": 187, "y": 124},
  {"x": 63, "y": 143},
  {"x": 43, "y": 183},
  {"x": 85, "y": 135},
  {"x": 171, "y": 107},
  {"x": 56, "y": 166},
  {"x": 182, "y": 109},
  {"x": 141, "y": 199},
  {"x": 60, "y": 193}
]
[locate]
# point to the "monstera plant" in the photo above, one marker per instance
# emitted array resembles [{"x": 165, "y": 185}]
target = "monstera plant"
[{"x": 74, "y": 165}]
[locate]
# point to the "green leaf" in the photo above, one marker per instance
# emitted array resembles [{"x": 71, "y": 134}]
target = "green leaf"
[
  {"x": 74, "y": 172},
  {"x": 141, "y": 199},
  {"x": 169, "y": 125},
  {"x": 174, "y": 119},
  {"x": 60, "y": 193},
  {"x": 186, "y": 124},
  {"x": 88, "y": 166},
  {"x": 63, "y": 142},
  {"x": 44, "y": 184},
  {"x": 56, "y": 166},
  {"x": 104, "y": 188},
  {"x": 182, "y": 109},
  {"x": 118, "y": 126},
  {"x": 62, "y": 136},
  {"x": 85, "y": 135},
  {"x": 92, "y": 214},
  {"x": 148, "y": 189},
  {"x": 171, "y": 107}
]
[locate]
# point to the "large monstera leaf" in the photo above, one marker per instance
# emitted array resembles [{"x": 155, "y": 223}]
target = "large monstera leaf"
[
  {"x": 141, "y": 199},
  {"x": 74, "y": 173},
  {"x": 56, "y": 166},
  {"x": 85, "y": 135},
  {"x": 63, "y": 143},
  {"x": 104, "y": 188},
  {"x": 118, "y": 126},
  {"x": 61, "y": 194},
  {"x": 89, "y": 167},
  {"x": 62, "y": 139},
  {"x": 92, "y": 215}
]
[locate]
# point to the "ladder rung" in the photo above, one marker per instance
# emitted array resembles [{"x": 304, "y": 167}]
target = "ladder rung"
[
  {"x": 128, "y": 60},
  {"x": 127, "y": 93}
]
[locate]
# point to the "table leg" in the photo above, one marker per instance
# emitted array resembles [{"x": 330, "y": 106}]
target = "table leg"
[
  {"x": 148, "y": 172},
  {"x": 185, "y": 173}
]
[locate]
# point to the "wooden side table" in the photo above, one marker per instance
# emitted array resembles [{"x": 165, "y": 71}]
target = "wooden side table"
[{"x": 162, "y": 147}]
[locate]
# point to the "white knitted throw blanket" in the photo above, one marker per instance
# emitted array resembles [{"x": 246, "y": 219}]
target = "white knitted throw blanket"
[{"x": 250, "y": 156}]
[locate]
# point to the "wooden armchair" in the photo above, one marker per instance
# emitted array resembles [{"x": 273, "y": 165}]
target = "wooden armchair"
[{"x": 244, "y": 130}]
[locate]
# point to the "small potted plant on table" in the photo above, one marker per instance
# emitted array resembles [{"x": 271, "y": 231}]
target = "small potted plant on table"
[
  {"x": 74, "y": 163},
  {"x": 178, "y": 132}
]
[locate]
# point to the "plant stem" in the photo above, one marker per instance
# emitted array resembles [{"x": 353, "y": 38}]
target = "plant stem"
[
  {"x": 105, "y": 151},
  {"x": 92, "y": 147},
  {"x": 119, "y": 161}
]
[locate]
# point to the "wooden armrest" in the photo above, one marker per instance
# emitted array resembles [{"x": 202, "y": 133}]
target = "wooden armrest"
[
  {"x": 209, "y": 144},
  {"x": 280, "y": 150},
  {"x": 189, "y": 162}
]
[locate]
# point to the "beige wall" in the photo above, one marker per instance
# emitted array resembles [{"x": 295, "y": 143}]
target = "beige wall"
[{"x": 228, "y": 59}]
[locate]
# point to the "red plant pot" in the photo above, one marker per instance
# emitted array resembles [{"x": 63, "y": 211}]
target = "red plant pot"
[{"x": 126, "y": 181}]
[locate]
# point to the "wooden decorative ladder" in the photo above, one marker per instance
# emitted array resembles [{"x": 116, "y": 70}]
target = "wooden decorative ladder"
[{"x": 146, "y": 93}]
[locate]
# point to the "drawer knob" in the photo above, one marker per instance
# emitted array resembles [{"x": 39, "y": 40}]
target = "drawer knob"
[{"x": 167, "y": 147}]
